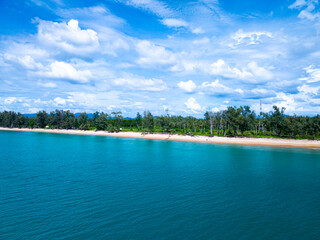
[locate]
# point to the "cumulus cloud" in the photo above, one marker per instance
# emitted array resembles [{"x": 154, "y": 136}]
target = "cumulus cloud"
[
  {"x": 251, "y": 71},
  {"x": 221, "y": 68},
  {"x": 63, "y": 70},
  {"x": 68, "y": 36},
  {"x": 192, "y": 105},
  {"x": 188, "y": 86}
]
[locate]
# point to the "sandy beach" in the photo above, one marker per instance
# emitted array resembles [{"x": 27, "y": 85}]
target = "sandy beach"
[{"x": 168, "y": 137}]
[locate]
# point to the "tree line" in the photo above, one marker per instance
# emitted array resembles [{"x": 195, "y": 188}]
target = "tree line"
[{"x": 234, "y": 121}]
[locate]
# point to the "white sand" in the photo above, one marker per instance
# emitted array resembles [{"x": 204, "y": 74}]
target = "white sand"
[{"x": 224, "y": 140}]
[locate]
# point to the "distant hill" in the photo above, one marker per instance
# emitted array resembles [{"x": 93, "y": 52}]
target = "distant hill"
[{"x": 29, "y": 114}]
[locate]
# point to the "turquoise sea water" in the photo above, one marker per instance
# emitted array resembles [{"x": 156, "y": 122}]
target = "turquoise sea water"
[{"x": 87, "y": 187}]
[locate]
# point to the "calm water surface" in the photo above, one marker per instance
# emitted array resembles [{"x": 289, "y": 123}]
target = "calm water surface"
[{"x": 87, "y": 187}]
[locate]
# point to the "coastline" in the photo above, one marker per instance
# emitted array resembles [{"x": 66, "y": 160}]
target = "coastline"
[{"x": 292, "y": 143}]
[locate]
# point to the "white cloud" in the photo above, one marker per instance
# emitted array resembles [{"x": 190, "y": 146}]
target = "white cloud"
[
  {"x": 215, "y": 109},
  {"x": 221, "y": 68},
  {"x": 298, "y": 4},
  {"x": 68, "y": 37},
  {"x": 309, "y": 89},
  {"x": 197, "y": 30},
  {"x": 26, "y": 61},
  {"x": 62, "y": 70},
  {"x": 249, "y": 38},
  {"x": 183, "y": 65},
  {"x": 62, "y": 101},
  {"x": 179, "y": 23},
  {"x": 251, "y": 71},
  {"x": 111, "y": 40},
  {"x": 192, "y": 105},
  {"x": 308, "y": 12},
  {"x": 153, "y": 54},
  {"x": 259, "y": 72},
  {"x": 95, "y": 14},
  {"x": 260, "y": 93},
  {"x": 173, "y": 22},
  {"x": 204, "y": 40},
  {"x": 154, "y": 6},
  {"x": 313, "y": 74},
  {"x": 140, "y": 83},
  {"x": 47, "y": 84},
  {"x": 10, "y": 100},
  {"x": 98, "y": 101},
  {"x": 188, "y": 86},
  {"x": 287, "y": 101},
  {"x": 217, "y": 88},
  {"x": 47, "y": 3}
]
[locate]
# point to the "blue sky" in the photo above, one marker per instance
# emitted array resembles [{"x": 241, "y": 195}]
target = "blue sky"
[{"x": 135, "y": 55}]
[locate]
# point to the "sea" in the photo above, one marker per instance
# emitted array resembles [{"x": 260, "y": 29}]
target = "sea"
[{"x": 55, "y": 186}]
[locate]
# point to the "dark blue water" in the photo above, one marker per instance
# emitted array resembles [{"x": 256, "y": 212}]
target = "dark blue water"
[{"x": 89, "y": 187}]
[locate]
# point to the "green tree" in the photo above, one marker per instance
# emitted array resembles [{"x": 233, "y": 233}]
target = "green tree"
[
  {"x": 246, "y": 119},
  {"x": 83, "y": 121},
  {"x": 117, "y": 119},
  {"x": 32, "y": 122},
  {"x": 209, "y": 119},
  {"x": 148, "y": 121},
  {"x": 233, "y": 115},
  {"x": 102, "y": 121},
  {"x": 139, "y": 121},
  {"x": 41, "y": 119},
  {"x": 277, "y": 120}
]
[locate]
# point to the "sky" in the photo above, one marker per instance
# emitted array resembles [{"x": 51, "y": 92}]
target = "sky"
[{"x": 186, "y": 56}]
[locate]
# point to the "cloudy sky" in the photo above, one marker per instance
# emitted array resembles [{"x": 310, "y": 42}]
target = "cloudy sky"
[{"x": 187, "y": 56}]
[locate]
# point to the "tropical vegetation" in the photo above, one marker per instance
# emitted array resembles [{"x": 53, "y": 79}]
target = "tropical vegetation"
[{"x": 234, "y": 121}]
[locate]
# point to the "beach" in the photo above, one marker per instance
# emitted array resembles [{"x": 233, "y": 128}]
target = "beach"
[{"x": 185, "y": 138}]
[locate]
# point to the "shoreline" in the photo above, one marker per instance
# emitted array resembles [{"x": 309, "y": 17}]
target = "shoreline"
[{"x": 272, "y": 142}]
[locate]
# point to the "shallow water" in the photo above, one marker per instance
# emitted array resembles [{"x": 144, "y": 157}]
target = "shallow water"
[{"x": 56, "y": 186}]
